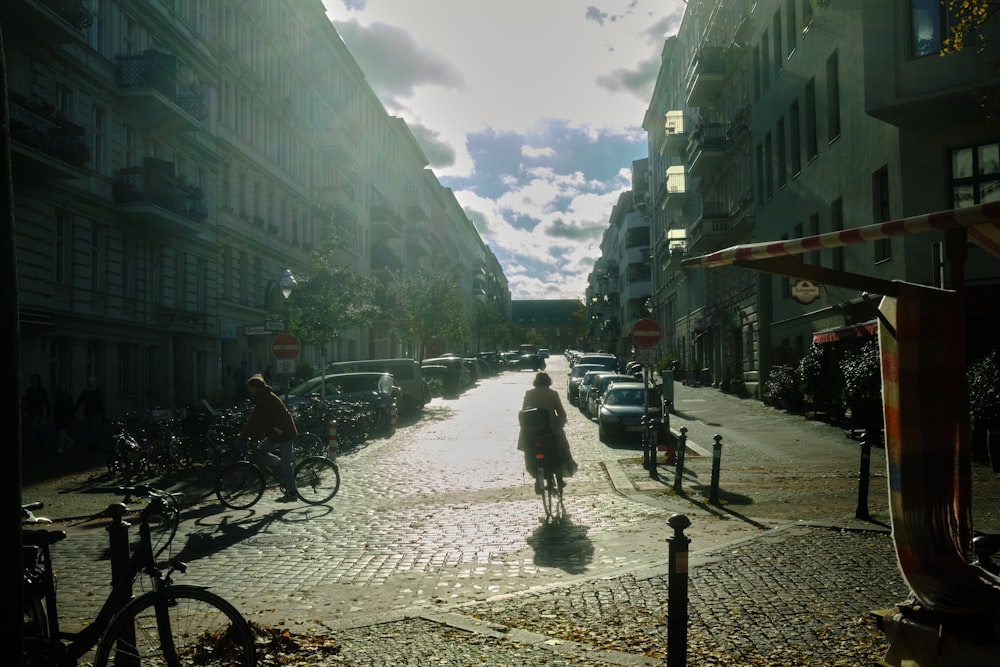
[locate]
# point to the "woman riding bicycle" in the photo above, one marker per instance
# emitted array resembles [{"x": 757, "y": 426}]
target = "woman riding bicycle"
[
  {"x": 543, "y": 397},
  {"x": 272, "y": 424}
]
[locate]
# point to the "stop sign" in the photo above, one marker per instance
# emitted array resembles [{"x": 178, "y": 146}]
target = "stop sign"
[
  {"x": 646, "y": 333},
  {"x": 285, "y": 346}
]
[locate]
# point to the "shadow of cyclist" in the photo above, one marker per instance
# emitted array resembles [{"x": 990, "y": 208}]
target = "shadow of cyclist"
[{"x": 563, "y": 545}]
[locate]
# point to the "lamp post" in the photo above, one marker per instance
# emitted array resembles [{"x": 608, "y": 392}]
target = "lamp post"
[
  {"x": 287, "y": 284},
  {"x": 648, "y": 432}
]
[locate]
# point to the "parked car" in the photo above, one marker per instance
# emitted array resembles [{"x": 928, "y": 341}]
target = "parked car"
[
  {"x": 456, "y": 378},
  {"x": 414, "y": 392},
  {"x": 597, "y": 389},
  {"x": 608, "y": 361},
  {"x": 588, "y": 377},
  {"x": 378, "y": 390},
  {"x": 622, "y": 410},
  {"x": 575, "y": 377}
]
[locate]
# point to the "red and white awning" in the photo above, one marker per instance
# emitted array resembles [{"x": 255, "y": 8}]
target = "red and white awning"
[{"x": 982, "y": 222}]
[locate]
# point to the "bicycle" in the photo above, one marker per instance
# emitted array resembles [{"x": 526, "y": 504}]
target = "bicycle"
[
  {"x": 167, "y": 625},
  {"x": 541, "y": 458},
  {"x": 241, "y": 485}
]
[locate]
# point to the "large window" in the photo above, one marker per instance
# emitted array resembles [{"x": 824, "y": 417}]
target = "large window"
[
  {"x": 930, "y": 22},
  {"x": 796, "y": 139},
  {"x": 832, "y": 97},
  {"x": 812, "y": 144},
  {"x": 782, "y": 164},
  {"x": 881, "y": 212},
  {"x": 975, "y": 175},
  {"x": 63, "y": 250}
]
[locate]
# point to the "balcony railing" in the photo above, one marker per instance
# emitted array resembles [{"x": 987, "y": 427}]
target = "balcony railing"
[
  {"x": 705, "y": 76},
  {"x": 142, "y": 185},
  {"x": 38, "y": 126},
  {"x": 155, "y": 71}
]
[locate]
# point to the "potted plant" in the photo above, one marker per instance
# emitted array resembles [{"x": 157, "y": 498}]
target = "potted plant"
[
  {"x": 814, "y": 380},
  {"x": 984, "y": 403},
  {"x": 782, "y": 387},
  {"x": 862, "y": 390}
]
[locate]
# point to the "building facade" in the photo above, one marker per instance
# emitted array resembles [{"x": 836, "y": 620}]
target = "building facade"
[{"x": 171, "y": 159}]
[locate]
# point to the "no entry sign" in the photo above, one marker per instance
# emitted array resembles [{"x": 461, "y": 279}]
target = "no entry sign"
[
  {"x": 285, "y": 346},
  {"x": 646, "y": 333}
]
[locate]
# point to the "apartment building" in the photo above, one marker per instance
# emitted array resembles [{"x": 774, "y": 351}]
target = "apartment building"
[
  {"x": 171, "y": 159},
  {"x": 780, "y": 119}
]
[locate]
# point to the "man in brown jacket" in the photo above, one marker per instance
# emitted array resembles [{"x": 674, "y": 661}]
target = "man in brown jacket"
[{"x": 272, "y": 424}]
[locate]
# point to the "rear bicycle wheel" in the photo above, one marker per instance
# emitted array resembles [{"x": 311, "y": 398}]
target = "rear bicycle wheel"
[
  {"x": 542, "y": 488},
  {"x": 204, "y": 629},
  {"x": 309, "y": 444},
  {"x": 240, "y": 485},
  {"x": 35, "y": 632},
  {"x": 317, "y": 479}
]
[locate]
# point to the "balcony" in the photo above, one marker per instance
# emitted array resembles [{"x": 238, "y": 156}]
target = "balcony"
[
  {"x": 50, "y": 21},
  {"x": 675, "y": 191},
  {"x": 386, "y": 223},
  {"x": 710, "y": 228},
  {"x": 706, "y": 149},
  {"x": 417, "y": 208},
  {"x": 160, "y": 204},
  {"x": 417, "y": 242},
  {"x": 705, "y": 77},
  {"x": 675, "y": 135},
  {"x": 385, "y": 258},
  {"x": 44, "y": 144},
  {"x": 148, "y": 87}
]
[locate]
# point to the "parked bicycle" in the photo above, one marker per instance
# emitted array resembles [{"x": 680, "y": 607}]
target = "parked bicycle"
[
  {"x": 241, "y": 485},
  {"x": 167, "y": 625}
]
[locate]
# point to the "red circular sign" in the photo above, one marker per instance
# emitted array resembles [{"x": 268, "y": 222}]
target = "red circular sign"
[
  {"x": 646, "y": 333},
  {"x": 285, "y": 346}
]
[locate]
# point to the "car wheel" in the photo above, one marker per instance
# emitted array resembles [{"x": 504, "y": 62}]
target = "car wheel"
[{"x": 601, "y": 435}]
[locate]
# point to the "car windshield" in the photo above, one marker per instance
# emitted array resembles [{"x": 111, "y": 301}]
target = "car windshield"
[{"x": 624, "y": 397}]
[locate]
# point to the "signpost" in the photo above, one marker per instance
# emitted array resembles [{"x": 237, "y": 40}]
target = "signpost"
[
  {"x": 646, "y": 334},
  {"x": 285, "y": 349}
]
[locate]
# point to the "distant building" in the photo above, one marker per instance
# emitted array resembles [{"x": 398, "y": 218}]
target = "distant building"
[{"x": 554, "y": 324}]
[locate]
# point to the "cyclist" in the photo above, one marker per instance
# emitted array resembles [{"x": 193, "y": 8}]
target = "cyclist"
[
  {"x": 543, "y": 397},
  {"x": 272, "y": 424}
]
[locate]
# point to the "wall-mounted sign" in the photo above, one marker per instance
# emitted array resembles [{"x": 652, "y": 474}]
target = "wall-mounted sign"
[{"x": 805, "y": 291}]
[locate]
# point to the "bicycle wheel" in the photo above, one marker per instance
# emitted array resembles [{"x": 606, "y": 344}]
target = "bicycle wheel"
[
  {"x": 162, "y": 522},
  {"x": 317, "y": 479},
  {"x": 309, "y": 444},
  {"x": 542, "y": 488},
  {"x": 35, "y": 634},
  {"x": 204, "y": 630},
  {"x": 240, "y": 485}
]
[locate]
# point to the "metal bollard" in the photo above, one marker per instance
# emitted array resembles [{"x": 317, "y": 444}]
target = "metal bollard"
[
  {"x": 863, "y": 476},
  {"x": 679, "y": 471},
  {"x": 653, "y": 429},
  {"x": 716, "y": 464},
  {"x": 119, "y": 550},
  {"x": 677, "y": 592},
  {"x": 331, "y": 442}
]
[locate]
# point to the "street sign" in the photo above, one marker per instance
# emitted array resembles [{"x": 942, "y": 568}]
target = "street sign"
[
  {"x": 285, "y": 346},
  {"x": 646, "y": 333}
]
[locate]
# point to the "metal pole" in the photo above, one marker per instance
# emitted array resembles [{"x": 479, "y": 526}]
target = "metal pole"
[
  {"x": 645, "y": 419},
  {"x": 677, "y": 592},
  {"x": 716, "y": 464},
  {"x": 679, "y": 472},
  {"x": 866, "y": 461}
]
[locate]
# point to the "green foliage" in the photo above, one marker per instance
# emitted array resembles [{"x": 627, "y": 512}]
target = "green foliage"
[
  {"x": 984, "y": 390},
  {"x": 431, "y": 305},
  {"x": 862, "y": 375},
  {"x": 812, "y": 372},
  {"x": 782, "y": 384}
]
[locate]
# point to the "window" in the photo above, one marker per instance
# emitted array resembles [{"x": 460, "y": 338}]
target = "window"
[
  {"x": 881, "y": 212},
  {"x": 782, "y": 164},
  {"x": 96, "y": 259},
  {"x": 765, "y": 57},
  {"x": 930, "y": 23},
  {"x": 812, "y": 147},
  {"x": 759, "y": 159},
  {"x": 975, "y": 175},
  {"x": 128, "y": 268},
  {"x": 813, "y": 231},
  {"x": 792, "y": 26},
  {"x": 785, "y": 281},
  {"x": 768, "y": 167},
  {"x": 63, "y": 250},
  {"x": 756, "y": 73},
  {"x": 97, "y": 137},
  {"x": 126, "y": 369},
  {"x": 796, "y": 152},
  {"x": 837, "y": 225},
  {"x": 779, "y": 54},
  {"x": 832, "y": 97}
]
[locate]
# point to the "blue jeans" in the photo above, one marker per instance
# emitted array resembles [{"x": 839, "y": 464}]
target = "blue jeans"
[{"x": 267, "y": 449}]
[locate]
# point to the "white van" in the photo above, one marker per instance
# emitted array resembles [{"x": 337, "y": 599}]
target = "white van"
[{"x": 414, "y": 392}]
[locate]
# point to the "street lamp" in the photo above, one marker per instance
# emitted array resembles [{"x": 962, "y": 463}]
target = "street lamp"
[
  {"x": 650, "y": 306},
  {"x": 287, "y": 284}
]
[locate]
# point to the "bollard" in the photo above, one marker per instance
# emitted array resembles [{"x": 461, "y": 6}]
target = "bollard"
[
  {"x": 716, "y": 464},
  {"x": 331, "y": 443},
  {"x": 119, "y": 548},
  {"x": 654, "y": 441},
  {"x": 866, "y": 461},
  {"x": 392, "y": 416},
  {"x": 679, "y": 471},
  {"x": 677, "y": 592}
]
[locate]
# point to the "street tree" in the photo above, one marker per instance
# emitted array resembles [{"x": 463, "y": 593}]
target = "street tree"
[
  {"x": 485, "y": 324},
  {"x": 330, "y": 299},
  {"x": 431, "y": 305}
]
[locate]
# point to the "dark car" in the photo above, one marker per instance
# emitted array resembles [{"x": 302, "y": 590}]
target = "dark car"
[
  {"x": 456, "y": 376},
  {"x": 622, "y": 410},
  {"x": 597, "y": 389},
  {"x": 378, "y": 390},
  {"x": 531, "y": 361},
  {"x": 607, "y": 361},
  {"x": 575, "y": 377},
  {"x": 588, "y": 378}
]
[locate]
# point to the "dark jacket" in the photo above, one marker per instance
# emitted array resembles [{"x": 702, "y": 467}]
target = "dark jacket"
[{"x": 270, "y": 419}]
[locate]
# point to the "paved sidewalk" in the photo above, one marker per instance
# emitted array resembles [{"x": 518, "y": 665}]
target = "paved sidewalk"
[{"x": 763, "y": 590}]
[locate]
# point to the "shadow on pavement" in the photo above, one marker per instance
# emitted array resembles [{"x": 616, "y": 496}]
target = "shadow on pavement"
[{"x": 563, "y": 545}]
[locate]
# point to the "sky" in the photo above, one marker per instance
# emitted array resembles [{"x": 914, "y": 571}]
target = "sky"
[{"x": 529, "y": 110}]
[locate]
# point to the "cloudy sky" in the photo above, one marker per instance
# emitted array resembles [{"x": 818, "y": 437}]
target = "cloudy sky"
[{"x": 530, "y": 110}]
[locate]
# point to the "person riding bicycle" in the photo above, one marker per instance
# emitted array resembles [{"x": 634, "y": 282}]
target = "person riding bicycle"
[
  {"x": 543, "y": 397},
  {"x": 273, "y": 425}
]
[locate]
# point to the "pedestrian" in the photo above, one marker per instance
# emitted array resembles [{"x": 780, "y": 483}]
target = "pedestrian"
[
  {"x": 273, "y": 426},
  {"x": 240, "y": 380},
  {"x": 543, "y": 397},
  {"x": 64, "y": 415},
  {"x": 34, "y": 411},
  {"x": 94, "y": 407}
]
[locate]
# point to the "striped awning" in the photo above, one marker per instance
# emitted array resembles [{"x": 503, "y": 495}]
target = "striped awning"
[
  {"x": 982, "y": 223},
  {"x": 850, "y": 332}
]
